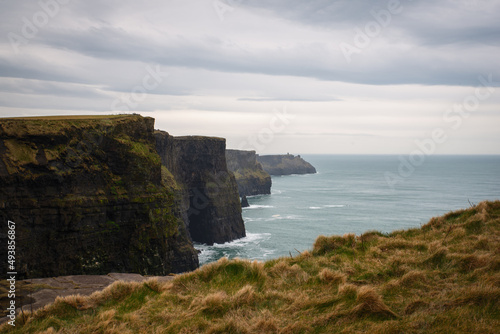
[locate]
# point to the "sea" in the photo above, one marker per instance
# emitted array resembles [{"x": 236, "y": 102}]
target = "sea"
[{"x": 355, "y": 194}]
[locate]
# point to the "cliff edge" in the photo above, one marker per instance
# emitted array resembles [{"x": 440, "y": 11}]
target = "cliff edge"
[
  {"x": 285, "y": 164},
  {"x": 250, "y": 176}
]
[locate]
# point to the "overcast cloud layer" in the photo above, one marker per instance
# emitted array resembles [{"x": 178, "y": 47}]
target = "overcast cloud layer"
[{"x": 294, "y": 76}]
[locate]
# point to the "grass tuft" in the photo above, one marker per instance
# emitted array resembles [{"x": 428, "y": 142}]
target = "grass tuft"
[
  {"x": 333, "y": 277},
  {"x": 370, "y": 303},
  {"x": 215, "y": 304}
]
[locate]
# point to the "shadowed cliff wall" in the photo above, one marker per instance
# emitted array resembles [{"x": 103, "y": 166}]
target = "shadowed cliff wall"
[{"x": 210, "y": 191}]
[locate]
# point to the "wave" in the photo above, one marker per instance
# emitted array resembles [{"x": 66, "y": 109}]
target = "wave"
[
  {"x": 280, "y": 217},
  {"x": 326, "y": 206},
  {"x": 271, "y": 219},
  {"x": 254, "y": 238},
  {"x": 235, "y": 248},
  {"x": 256, "y": 206},
  {"x": 257, "y": 196},
  {"x": 250, "y": 238}
]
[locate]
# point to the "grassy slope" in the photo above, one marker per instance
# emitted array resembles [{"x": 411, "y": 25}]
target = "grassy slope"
[{"x": 442, "y": 278}]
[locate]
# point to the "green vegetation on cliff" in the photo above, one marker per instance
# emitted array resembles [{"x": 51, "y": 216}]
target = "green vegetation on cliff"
[{"x": 441, "y": 278}]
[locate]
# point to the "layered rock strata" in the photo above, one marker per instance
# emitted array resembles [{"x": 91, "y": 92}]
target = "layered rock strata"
[{"x": 209, "y": 190}]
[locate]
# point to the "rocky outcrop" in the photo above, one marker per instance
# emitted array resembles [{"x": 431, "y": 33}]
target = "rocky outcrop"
[
  {"x": 89, "y": 195},
  {"x": 285, "y": 164},
  {"x": 250, "y": 176},
  {"x": 49, "y": 289},
  {"x": 209, "y": 190},
  {"x": 244, "y": 202}
]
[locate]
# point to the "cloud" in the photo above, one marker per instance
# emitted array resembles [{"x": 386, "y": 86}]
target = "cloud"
[
  {"x": 329, "y": 134},
  {"x": 418, "y": 64},
  {"x": 472, "y": 22},
  {"x": 288, "y": 99},
  {"x": 408, "y": 51},
  {"x": 262, "y": 56},
  {"x": 45, "y": 87}
]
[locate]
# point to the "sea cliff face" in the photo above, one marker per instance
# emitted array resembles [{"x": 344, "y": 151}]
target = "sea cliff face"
[
  {"x": 250, "y": 176},
  {"x": 285, "y": 164},
  {"x": 209, "y": 191},
  {"x": 89, "y": 195}
]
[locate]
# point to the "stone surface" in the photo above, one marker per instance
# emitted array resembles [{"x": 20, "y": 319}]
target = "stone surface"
[
  {"x": 48, "y": 289},
  {"x": 285, "y": 164},
  {"x": 244, "y": 202},
  {"x": 250, "y": 176}
]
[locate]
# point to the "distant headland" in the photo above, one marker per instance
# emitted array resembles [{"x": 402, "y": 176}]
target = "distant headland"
[{"x": 287, "y": 164}]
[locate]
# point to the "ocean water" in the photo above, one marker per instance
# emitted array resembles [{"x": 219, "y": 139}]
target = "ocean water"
[{"x": 351, "y": 194}]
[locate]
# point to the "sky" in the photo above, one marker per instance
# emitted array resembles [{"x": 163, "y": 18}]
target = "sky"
[{"x": 326, "y": 77}]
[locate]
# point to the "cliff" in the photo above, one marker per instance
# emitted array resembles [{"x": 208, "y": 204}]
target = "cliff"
[
  {"x": 88, "y": 197},
  {"x": 250, "y": 176},
  {"x": 285, "y": 164},
  {"x": 209, "y": 190}
]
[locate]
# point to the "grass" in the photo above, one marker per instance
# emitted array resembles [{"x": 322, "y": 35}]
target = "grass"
[
  {"x": 21, "y": 127},
  {"x": 251, "y": 175},
  {"x": 71, "y": 136},
  {"x": 441, "y": 278}
]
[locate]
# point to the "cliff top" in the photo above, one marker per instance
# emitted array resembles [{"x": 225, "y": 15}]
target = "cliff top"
[
  {"x": 30, "y": 143},
  {"x": 285, "y": 164},
  {"x": 65, "y": 117},
  {"x": 199, "y": 138},
  {"x": 241, "y": 151},
  {"x": 50, "y": 125},
  {"x": 440, "y": 278}
]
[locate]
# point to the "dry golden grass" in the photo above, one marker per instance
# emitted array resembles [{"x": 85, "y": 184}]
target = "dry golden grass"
[
  {"x": 334, "y": 277},
  {"x": 442, "y": 278},
  {"x": 369, "y": 302}
]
